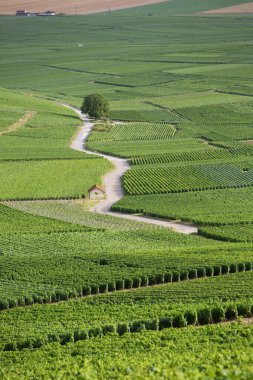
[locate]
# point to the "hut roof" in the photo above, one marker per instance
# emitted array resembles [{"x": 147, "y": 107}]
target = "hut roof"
[{"x": 98, "y": 187}]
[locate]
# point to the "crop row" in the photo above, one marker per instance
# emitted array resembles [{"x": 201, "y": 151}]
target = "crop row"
[
  {"x": 39, "y": 264},
  {"x": 189, "y": 178},
  {"x": 23, "y": 179},
  {"x": 222, "y": 114},
  {"x": 126, "y": 284},
  {"x": 17, "y": 222},
  {"x": 193, "y": 317},
  {"x": 210, "y": 207},
  {"x": 236, "y": 233},
  {"x": 44, "y": 136},
  {"x": 144, "y": 115},
  {"x": 123, "y": 306},
  {"x": 193, "y": 156},
  {"x": 71, "y": 212},
  {"x": 133, "y": 131}
]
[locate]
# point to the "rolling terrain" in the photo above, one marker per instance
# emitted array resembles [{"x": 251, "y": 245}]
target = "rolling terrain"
[{"x": 85, "y": 295}]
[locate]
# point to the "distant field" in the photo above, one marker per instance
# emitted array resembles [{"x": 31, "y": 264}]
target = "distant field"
[
  {"x": 241, "y": 8},
  {"x": 73, "y": 7}
]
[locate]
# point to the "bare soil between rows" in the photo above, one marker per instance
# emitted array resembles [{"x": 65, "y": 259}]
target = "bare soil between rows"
[{"x": 71, "y": 7}]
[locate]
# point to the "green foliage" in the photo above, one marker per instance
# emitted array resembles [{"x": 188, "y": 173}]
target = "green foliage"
[
  {"x": 133, "y": 131},
  {"x": 167, "y": 179},
  {"x": 191, "y": 317},
  {"x": 212, "y": 207},
  {"x": 204, "y": 316},
  {"x": 205, "y": 155},
  {"x": 244, "y": 310},
  {"x": 145, "y": 352},
  {"x": 133, "y": 148},
  {"x": 179, "y": 321},
  {"x": 236, "y": 233},
  {"x": 44, "y": 136},
  {"x": 75, "y": 212},
  {"x": 95, "y": 106},
  {"x": 17, "y": 222},
  {"x": 152, "y": 82},
  {"x": 231, "y": 312},
  {"x": 218, "y": 314},
  {"x": 74, "y": 178}
]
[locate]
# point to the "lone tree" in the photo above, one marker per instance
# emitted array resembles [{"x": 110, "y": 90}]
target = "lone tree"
[{"x": 95, "y": 106}]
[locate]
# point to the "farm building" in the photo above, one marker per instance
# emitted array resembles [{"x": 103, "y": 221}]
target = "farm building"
[
  {"x": 96, "y": 192},
  {"x": 47, "y": 13},
  {"x": 22, "y": 13}
]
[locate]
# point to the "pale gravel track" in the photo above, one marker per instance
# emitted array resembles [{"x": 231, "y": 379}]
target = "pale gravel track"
[{"x": 112, "y": 182}]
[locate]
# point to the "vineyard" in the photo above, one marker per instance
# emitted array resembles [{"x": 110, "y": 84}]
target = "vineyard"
[
  {"x": 188, "y": 178},
  {"x": 96, "y": 296},
  {"x": 194, "y": 346},
  {"x": 212, "y": 207},
  {"x": 16, "y": 222},
  {"x": 133, "y": 131},
  {"x": 145, "y": 115},
  {"x": 74, "y": 178},
  {"x": 126, "y": 307},
  {"x": 237, "y": 233},
  {"x": 132, "y": 148},
  {"x": 76, "y": 212},
  {"x": 206, "y": 155},
  {"x": 45, "y": 136}
]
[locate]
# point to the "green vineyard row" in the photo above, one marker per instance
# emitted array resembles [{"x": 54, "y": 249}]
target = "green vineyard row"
[
  {"x": 127, "y": 284},
  {"x": 193, "y": 317},
  {"x": 188, "y": 178},
  {"x": 244, "y": 150}
]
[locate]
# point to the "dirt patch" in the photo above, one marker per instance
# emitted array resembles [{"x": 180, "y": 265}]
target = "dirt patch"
[
  {"x": 241, "y": 8},
  {"x": 249, "y": 142},
  {"x": 247, "y": 321},
  {"x": 20, "y": 123},
  {"x": 71, "y": 7}
]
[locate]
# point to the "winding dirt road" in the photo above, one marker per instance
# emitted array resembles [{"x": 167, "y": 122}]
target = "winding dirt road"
[{"x": 112, "y": 182}]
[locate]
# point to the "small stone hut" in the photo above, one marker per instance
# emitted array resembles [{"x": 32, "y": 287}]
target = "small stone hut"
[{"x": 96, "y": 192}]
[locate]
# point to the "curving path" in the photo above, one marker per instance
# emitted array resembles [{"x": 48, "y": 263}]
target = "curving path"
[{"x": 112, "y": 182}]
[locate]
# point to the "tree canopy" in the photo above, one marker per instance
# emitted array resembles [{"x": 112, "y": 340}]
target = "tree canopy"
[{"x": 96, "y": 106}]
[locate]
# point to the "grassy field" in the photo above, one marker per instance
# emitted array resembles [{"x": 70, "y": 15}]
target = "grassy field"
[{"x": 81, "y": 292}]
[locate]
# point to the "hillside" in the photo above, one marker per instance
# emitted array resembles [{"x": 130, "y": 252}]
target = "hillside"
[{"x": 91, "y": 289}]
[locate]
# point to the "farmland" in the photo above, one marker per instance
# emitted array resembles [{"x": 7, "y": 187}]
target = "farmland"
[
  {"x": 213, "y": 207},
  {"x": 188, "y": 345},
  {"x": 188, "y": 178},
  {"x": 76, "y": 7},
  {"x": 94, "y": 296},
  {"x": 74, "y": 177}
]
